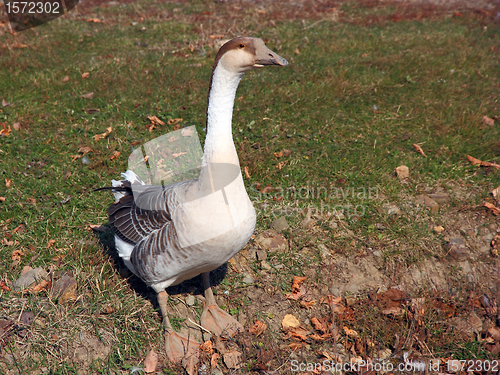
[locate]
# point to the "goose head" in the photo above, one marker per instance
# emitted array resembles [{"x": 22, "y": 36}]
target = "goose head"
[{"x": 241, "y": 54}]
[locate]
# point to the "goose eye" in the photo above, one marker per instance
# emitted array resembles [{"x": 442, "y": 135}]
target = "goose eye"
[{"x": 241, "y": 45}]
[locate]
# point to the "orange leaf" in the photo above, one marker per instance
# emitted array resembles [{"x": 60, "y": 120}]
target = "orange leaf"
[
  {"x": 155, "y": 120},
  {"x": 307, "y": 304},
  {"x": 85, "y": 75},
  {"x": 108, "y": 131},
  {"x": 51, "y": 243},
  {"x": 488, "y": 120},
  {"x": 17, "y": 254},
  {"x": 39, "y": 287},
  {"x": 318, "y": 325},
  {"x": 8, "y": 183},
  {"x": 114, "y": 155},
  {"x": 257, "y": 328},
  {"x": 206, "y": 347},
  {"x": 494, "y": 210},
  {"x": 419, "y": 150},
  {"x": 247, "y": 174},
  {"x": 481, "y": 163},
  {"x": 295, "y": 345},
  {"x": 6, "y": 130},
  {"x": 213, "y": 361},
  {"x": 297, "y": 281}
]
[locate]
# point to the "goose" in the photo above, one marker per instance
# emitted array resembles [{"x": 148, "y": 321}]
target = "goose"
[{"x": 168, "y": 234}]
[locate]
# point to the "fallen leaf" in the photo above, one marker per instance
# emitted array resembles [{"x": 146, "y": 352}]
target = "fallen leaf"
[
  {"x": 85, "y": 75},
  {"x": 4, "y": 103},
  {"x": 108, "y": 310},
  {"x": 51, "y": 243},
  {"x": 95, "y": 20},
  {"x": 155, "y": 120},
  {"x": 232, "y": 359},
  {"x": 19, "y": 45},
  {"x": 318, "y": 325},
  {"x": 176, "y": 155},
  {"x": 403, "y": 172},
  {"x": 278, "y": 154},
  {"x": 297, "y": 332},
  {"x": 89, "y": 95},
  {"x": 307, "y": 304},
  {"x": 213, "y": 361},
  {"x": 207, "y": 347},
  {"x": 295, "y": 345},
  {"x": 2, "y": 199},
  {"x": 289, "y": 321},
  {"x": 16, "y": 125},
  {"x": 16, "y": 254},
  {"x": 496, "y": 194},
  {"x": 393, "y": 311},
  {"x": 4, "y": 287},
  {"x": 65, "y": 79},
  {"x": 481, "y": 163},
  {"x": 108, "y": 131},
  {"x": 247, "y": 174},
  {"x": 114, "y": 155},
  {"x": 39, "y": 287},
  {"x": 8, "y": 183},
  {"x": 5, "y": 132},
  {"x": 494, "y": 210},
  {"x": 323, "y": 337},
  {"x": 280, "y": 165},
  {"x": 350, "y": 332},
  {"x": 330, "y": 300},
  {"x": 150, "y": 362},
  {"x": 488, "y": 120},
  {"x": 173, "y": 121},
  {"x": 419, "y": 150},
  {"x": 258, "y": 328}
]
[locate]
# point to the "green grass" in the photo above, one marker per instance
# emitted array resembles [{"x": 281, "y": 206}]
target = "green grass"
[{"x": 349, "y": 107}]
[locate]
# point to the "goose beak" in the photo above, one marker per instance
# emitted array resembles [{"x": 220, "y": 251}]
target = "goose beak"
[{"x": 269, "y": 58}]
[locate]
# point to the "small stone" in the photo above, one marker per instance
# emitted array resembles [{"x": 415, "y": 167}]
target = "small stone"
[
  {"x": 29, "y": 278},
  {"x": 190, "y": 300},
  {"x": 280, "y": 224},
  {"x": 247, "y": 279},
  {"x": 440, "y": 198},
  {"x": 265, "y": 265},
  {"x": 457, "y": 248},
  {"x": 261, "y": 254},
  {"x": 324, "y": 252},
  {"x": 403, "y": 172}
]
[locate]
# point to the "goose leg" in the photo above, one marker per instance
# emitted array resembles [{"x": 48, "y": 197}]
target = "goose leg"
[
  {"x": 213, "y": 317},
  {"x": 180, "y": 348}
]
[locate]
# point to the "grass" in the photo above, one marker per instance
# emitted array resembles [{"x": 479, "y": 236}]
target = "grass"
[{"x": 357, "y": 94}]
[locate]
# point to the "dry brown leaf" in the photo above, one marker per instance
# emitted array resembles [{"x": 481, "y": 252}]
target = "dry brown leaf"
[
  {"x": 295, "y": 345},
  {"x": 16, "y": 254},
  {"x": 173, "y": 121},
  {"x": 258, "y": 328},
  {"x": 297, "y": 332},
  {"x": 350, "y": 332},
  {"x": 297, "y": 291},
  {"x": 207, "y": 347},
  {"x": 108, "y": 310},
  {"x": 16, "y": 125},
  {"x": 488, "y": 121},
  {"x": 95, "y": 20},
  {"x": 65, "y": 79},
  {"x": 393, "y": 311},
  {"x": 39, "y": 287},
  {"x": 307, "y": 304},
  {"x": 114, "y": 155},
  {"x": 496, "y": 194},
  {"x": 318, "y": 325},
  {"x": 280, "y": 165},
  {"x": 8, "y": 183},
  {"x": 419, "y": 150},
  {"x": 2, "y": 199},
  {"x": 214, "y": 359},
  {"x": 108, "y": 131},
  {"x": 494, "y": 210},
  {"x": 155, "y": 120},
  {"x": 89, "y": 95},
  {"x": 289, "y": 321},
  {"x": 19, "y": 45},
  {"x": 20, "y": 228},
  {"x": 232, "y": 359},
  {"x": 323, "y": 337},
  {"x": 278, "y": 154},
  {"x": 176, "y": 155},
  {"x": 247, "y": 174},
  {"x": 51, "y": 243},
  {"x": 150, "y": 362},
  {"x": 5, "y": 103},
  {"x": 85, "y": 75},
  {"x": 481, "y": 163},
  {"x": 5, "y": 132}
]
